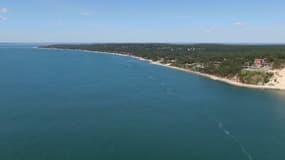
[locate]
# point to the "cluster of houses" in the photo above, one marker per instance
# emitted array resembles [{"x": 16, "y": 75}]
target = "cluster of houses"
[{"x": 259, "y": 64}]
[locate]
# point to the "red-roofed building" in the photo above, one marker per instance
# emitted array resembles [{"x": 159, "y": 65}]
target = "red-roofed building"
[{"x": 260, "y": 63}]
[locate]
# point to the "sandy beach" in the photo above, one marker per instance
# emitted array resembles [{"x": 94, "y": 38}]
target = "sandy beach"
[
  {"x": 276, "y": 86},
  {"x": 277, "y": 82}
]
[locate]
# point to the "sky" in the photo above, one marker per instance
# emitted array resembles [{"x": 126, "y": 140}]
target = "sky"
[{"x": 175, "y": 21}]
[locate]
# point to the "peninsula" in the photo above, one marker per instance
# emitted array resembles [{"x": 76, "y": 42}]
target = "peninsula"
[{"x": 252, "y": 66}]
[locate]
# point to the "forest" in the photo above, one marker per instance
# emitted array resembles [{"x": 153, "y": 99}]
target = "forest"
[{"x": 218, "y": 59}]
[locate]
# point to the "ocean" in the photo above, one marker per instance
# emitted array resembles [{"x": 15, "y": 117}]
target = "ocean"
[{"x": 70, "y": 105}]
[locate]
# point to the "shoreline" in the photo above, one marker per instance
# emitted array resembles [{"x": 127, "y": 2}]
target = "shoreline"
[{"x": 212, "y": 77}]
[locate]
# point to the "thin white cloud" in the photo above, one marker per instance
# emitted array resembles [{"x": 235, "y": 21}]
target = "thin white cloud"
[
  {"x": 208, "y": 30},
  {"x": 2, "y": 18},
  {"x": 240, "y": 23},
  {"x": 87, "y": 14},
  {"x": 3, "y": 10},
  {"x": 59, "y": 22}
]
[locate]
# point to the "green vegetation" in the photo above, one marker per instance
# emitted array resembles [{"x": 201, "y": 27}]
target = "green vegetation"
[
  {"x": 254, "y": 77},
  {"x": 217, "y": 59}
]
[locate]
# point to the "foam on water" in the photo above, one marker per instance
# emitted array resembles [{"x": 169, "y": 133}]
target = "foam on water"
[{"x": 228, "y": 133}]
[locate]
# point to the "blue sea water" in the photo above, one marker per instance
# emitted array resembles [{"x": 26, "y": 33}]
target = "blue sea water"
[{"x": 71, "y": 105}]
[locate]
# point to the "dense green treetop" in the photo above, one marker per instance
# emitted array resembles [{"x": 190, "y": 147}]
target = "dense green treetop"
[{"x": 218, "y": 59}]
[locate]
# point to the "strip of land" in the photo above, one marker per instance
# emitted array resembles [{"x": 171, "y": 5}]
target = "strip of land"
[{"x": 249, "y": 75}]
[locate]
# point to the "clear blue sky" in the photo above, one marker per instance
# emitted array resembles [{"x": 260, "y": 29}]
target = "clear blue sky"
[{"x": 185, "y": 21}]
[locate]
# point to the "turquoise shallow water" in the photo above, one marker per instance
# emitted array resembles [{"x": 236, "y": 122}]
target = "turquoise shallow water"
[{"x": 70, "y": 105}]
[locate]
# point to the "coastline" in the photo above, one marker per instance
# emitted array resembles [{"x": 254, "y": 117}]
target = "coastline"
[{"x": 212, "y": 77}]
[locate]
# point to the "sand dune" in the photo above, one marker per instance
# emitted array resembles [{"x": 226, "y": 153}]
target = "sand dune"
[{"x": 278, "y": 80}]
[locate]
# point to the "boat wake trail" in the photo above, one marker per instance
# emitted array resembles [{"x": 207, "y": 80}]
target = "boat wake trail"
[{"x": 228, "y": 133}]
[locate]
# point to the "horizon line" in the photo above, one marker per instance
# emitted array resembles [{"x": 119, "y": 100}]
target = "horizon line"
[{"x": 189, "y": 43}]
